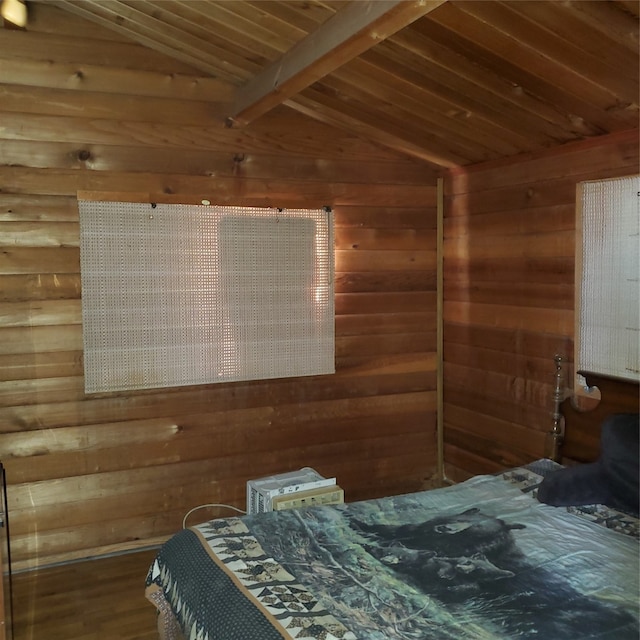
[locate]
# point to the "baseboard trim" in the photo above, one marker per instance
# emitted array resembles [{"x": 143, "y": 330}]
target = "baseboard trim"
[{"x": 84, "y": 555}]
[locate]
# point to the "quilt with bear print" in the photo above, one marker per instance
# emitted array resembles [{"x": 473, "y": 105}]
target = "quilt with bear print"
[{"x": 479, "y": 560}]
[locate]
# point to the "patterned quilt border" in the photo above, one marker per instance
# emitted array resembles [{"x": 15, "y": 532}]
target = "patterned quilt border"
[
  {"x": 529, "y": 477},
  {"x": 288, "y": 606}
]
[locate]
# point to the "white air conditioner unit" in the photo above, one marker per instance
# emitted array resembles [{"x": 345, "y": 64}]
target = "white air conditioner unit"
[{"x": 304, "y": 487}]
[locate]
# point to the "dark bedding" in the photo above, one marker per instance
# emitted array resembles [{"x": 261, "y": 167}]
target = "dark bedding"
[
  {"x": 613, "y": 479},
  {"x": 479, "y": 560}
]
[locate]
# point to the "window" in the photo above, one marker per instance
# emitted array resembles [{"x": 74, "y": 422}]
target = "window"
[
  {"x": 178, "y": 295},
  {"x": 607, "y": 296}
]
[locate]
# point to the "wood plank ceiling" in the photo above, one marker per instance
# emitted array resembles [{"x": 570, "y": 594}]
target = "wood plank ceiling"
[{"x": 452, "y": 83}]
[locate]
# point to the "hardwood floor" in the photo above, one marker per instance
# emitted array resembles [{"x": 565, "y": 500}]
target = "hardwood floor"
[{"x": 96, "y": 599}]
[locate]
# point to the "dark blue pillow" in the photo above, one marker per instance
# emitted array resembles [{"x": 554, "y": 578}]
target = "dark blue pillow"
[{"x": 614, "y": 479}]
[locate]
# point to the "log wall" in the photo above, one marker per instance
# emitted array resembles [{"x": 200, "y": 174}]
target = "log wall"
[
  {"x": 509, "y": 251},
  {"x": 82, "y": 110}
]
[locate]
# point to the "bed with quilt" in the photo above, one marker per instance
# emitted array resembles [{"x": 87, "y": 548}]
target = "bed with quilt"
[{"x": 482, "y": 559}]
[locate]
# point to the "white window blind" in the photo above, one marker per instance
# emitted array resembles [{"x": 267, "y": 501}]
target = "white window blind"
[
  {"x": 608, "y": 278},
  {"x": 178, "y": 295}
]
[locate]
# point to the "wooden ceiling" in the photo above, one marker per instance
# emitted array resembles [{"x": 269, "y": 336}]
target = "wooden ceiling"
[{"x": 450, "y": 82}]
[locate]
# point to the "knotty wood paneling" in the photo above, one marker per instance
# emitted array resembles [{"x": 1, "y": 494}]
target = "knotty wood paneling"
[
  {"x": 82, "y": 109},
  {"x": 464, "y": 83},
  {"x": 509, "y": 251}
]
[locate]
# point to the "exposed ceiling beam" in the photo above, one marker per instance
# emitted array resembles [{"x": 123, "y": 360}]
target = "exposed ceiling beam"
[{"x": 344, "y": 36}]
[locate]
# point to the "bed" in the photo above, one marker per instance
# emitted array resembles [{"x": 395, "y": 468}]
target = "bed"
[{"x": 478, "y": 560}]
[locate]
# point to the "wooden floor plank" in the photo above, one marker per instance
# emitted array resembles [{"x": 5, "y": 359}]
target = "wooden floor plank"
[{"x": 90, "y": 600}]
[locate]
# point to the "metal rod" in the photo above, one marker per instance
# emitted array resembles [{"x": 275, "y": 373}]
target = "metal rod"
[
  {"x": 440, "y": 329},
  {"x": 557, "y": 430}
]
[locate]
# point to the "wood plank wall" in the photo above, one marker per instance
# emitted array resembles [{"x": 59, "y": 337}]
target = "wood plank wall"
[
  {"x": 81, "y": 109},
  {"x": 509, "y": 253}
]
